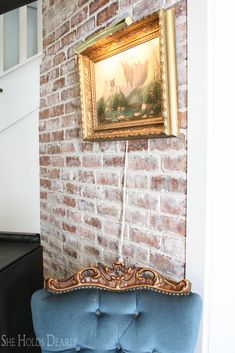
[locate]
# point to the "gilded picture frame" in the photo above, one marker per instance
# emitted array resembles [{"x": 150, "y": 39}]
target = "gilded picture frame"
[{"x": 138, "y": 98}]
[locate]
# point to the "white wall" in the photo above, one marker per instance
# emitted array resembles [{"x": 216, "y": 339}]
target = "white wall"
[
  {"x": 219, "y": 307},
  {"x": 19, "y": 156},
  {"x": 211, "y": 191},
  {"x": 197, "y": 147}
]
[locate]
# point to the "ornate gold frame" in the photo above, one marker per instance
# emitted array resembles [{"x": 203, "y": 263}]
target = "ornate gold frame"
[
  {"x": 162, "y": 25},
  {"x": 119, "y": 278}
]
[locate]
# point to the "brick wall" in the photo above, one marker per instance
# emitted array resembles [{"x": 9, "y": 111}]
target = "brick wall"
[{"x": 81, "y": 182}]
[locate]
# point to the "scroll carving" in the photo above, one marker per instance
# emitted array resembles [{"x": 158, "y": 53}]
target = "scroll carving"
[{"x": 119, "y": 278}]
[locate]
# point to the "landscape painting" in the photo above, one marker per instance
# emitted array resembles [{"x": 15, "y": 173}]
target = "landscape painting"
[{"x": 128, "y": 84}]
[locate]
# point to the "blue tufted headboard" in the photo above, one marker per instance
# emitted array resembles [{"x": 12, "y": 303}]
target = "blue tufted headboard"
[{"x": 97, "y": 321}]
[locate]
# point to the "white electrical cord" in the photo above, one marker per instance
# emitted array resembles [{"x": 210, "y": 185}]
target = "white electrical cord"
[{"x": 120, "y": 246}]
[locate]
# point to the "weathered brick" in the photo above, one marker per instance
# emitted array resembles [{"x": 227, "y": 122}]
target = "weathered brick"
[
  {"x": 174, "y": 163},
  {"x": 168, "y": 184},
  {"x": 145, "y": 237},
  {"x": 69, "y": 201},
  {"x": 91, "y": 162},
  {"x": 143, "y": 162},
  {"x": 107, "y": 178},
  {"x": 143, "y": 200},
  {"x": 87, "y": 177},
  {"x": 81, "y": 182},
  {"x": 73, "y": 161},
  {"x": 167, "y": 264},
  {"x": 114, "y": 161},
  {"x": 107, "y": 13},
  {"x": 96, "y": 5},
  {"x": 168, "y": 224},
  {"x": 92, "y": 221},
  {"x": 172, "y": 205},
  {"x": 79, "y": 17}
]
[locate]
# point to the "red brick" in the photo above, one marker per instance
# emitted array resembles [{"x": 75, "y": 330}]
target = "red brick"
[
  {"x": 96, "y": 5},
  {"x": 54, "y": 48},
  {"x": 68, "y": 121},
  {"x": 93, "y": 221},
  {"x": 167, "y": 265},
  {"x": 112, "y": 194},
  {"x": 57, "y": 161},
  {"x": 93, "y": 251},
  {"x": 145, "y": 237},
  {"x": 72, "y": 188},
  {"x": 114, "y": 161},
  {"x": 44, "y": 161},
  {"x": 168, "y": 224},
  {"x": 59, "y": 58},
  {"x": 108, "y": 210},
  {"x": 58, "y": 84},
  {"x": 169, "y": 143},
  {"x": 53, "y": 124},
  {"x": 69, "y": 38},
  {"x": 107, "y": 13},
  {"x": 73, "y": 216},
  {"x": 174, "y": 163},
  {"x": 91, "y": 162},
  {"x": 136, "y": 217},
  {"x": 143, "y": 162},
  {"x": 53, "y": 99},
  {"x": 58, "y": 110},
  {"x": 85, "y": 28},
  {"x": 183, "y": 120},
  {"x": 168, "y": 184},
  {"x": 73, "y": 161},
  {"x": 90, "y": 191},
  {"x": 71, "y": 107},
  {"x": 87, "y": 177},
  {"x": 69, "y": 201},
  {"x": 54, "y": 149},
  {"x": 44, "y": 114},
  {"x": 143, "y": 200},
  {"x": 43, "y": 195},
  {"x": 49, "y": 40},
  {"x": 54, "y": 174},
  {"x": 71, "y": 133},
  {"x": 79, "y": 17},
  {"x": 62, "y": 30},
  {"x": 138, "y": 145},
  {"x": 57, "y": 135},
  {"x": 174, "y": 246},
  {"x": 107, "y": 178},
  {"x": 86, "y": 233},
  {"x": 44, "y": 183},
  {"x": 59, "y": 211},
  {"x": 44, "y": 137},
  {"x": 137, "y": 181},
  {"x": 85, "y": 205},
  {"x": 69, "y": 93},
  {"x": 172, "y": 205}
]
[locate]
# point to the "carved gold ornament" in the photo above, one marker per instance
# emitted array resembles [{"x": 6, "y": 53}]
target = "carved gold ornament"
[
  {"x": 160, "y": 25},
  {"x": 119, "y": 278}
]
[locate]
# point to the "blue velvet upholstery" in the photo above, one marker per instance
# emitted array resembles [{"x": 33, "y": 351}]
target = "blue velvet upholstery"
[{"x": 96, "y": 321}]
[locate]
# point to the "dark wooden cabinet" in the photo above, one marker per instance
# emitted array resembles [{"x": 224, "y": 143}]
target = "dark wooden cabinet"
[{"x": 21, "y": 274}]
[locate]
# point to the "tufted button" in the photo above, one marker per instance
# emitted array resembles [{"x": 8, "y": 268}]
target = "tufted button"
[
  {"x": 78, "y": 348},
  {"x": 137, "y": 313},
  {"x": 154, "y": 351},
  {"x": 98, "y": 312},
  {"x": 119, "y": 347}
]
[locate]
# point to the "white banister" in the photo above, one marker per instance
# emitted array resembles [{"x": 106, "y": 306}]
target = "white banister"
[
  {"x": 22, "y": 34},
  {"x": 1, "y": 43}
]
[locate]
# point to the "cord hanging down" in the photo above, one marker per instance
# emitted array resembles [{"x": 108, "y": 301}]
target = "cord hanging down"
[{"x": 120, "y": 246}]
